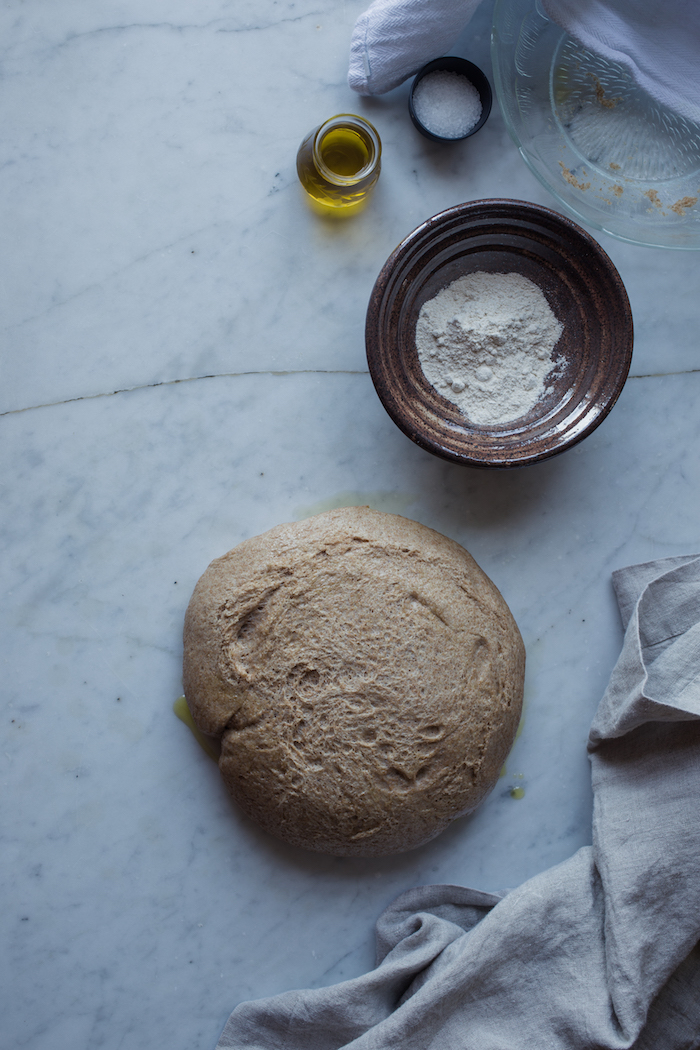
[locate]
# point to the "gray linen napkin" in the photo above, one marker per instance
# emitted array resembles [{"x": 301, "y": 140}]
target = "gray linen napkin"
[{"x": 600, "y": 952}]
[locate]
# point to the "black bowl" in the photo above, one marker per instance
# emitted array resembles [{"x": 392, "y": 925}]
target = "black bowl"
[{"x": 453, "y": 64}]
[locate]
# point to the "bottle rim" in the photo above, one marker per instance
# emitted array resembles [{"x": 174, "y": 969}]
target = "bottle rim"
[{"x": 359, "y": 124}]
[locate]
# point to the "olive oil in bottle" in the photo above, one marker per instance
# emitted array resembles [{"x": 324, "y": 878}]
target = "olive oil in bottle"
[{"x": 338, "y": 162}]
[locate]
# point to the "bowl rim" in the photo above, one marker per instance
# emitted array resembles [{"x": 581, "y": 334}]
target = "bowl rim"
[
  {"x": 377, "y": 354},
  {"x": 343, "y": 120}
]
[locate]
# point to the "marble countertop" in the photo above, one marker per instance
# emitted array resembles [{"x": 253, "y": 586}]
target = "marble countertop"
[{"x": 184, "y": 367}]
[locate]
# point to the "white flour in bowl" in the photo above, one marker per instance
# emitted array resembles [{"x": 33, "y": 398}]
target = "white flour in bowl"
[{"x": 485, "y": 343}]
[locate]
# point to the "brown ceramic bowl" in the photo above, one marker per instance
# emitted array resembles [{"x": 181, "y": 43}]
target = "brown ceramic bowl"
[{"x": 583, "y": 289}]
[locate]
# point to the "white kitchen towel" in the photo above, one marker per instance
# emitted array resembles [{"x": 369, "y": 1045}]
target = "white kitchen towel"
[
  {"x": 658, "y": 43},
  {"x": 601, "y": 952},
  {"x": 394, "y": 38}
]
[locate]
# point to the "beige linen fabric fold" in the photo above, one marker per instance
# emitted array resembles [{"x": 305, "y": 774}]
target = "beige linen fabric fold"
[{"x": 598, "y": 953}]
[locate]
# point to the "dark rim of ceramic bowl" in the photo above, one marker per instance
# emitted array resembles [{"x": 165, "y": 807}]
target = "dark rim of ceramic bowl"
[
  {"x": 476, "y": 76},
  {"x": 583, "y": 288}
]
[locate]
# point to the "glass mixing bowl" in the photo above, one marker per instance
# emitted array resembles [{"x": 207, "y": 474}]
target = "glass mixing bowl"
[{"x": 611, "y": 155}]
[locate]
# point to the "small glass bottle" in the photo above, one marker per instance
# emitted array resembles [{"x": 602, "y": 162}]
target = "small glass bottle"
[{"x": 338, "y": 162}]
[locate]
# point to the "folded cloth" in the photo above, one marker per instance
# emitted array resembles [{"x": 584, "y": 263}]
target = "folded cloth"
[
  {"x": 658, "y": 43},
  {"x": 394, "y": 38},
  {"x": 599, "y": 953}
]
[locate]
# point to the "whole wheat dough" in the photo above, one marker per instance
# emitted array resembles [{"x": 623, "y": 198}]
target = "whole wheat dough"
[{"x": 364, "y": 675}]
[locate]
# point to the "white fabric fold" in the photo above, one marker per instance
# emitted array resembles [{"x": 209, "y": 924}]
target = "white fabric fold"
[
  {"x": 598, "y": 953},
  {"x": 394, "y": 38}
]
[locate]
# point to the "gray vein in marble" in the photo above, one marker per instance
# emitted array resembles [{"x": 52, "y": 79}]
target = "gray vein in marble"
[
  {"x": 660, "y": 375},
  {"x": 186, "y": 379},
  {"x": 183, "y": 28},
  {"x": 322, "y": 977},
  {"x": 271, "y": 372},
  {"x": 217, "y": 24},
  {"x": 136, "y": 261}
]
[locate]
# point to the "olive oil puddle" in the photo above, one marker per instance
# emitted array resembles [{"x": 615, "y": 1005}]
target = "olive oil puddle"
[{"x": 210, "y": 744}]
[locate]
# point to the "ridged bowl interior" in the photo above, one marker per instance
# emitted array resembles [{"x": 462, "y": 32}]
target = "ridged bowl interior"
[{"x": 583, "y": 289}]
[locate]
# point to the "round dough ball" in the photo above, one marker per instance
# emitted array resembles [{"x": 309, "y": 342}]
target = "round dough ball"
[{"x": 364, "y": 675}]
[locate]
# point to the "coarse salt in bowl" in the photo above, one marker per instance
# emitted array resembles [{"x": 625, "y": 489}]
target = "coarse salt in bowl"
[
  {"x": 447, "y": 104},
  {"x": 450, "y": 99}
]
